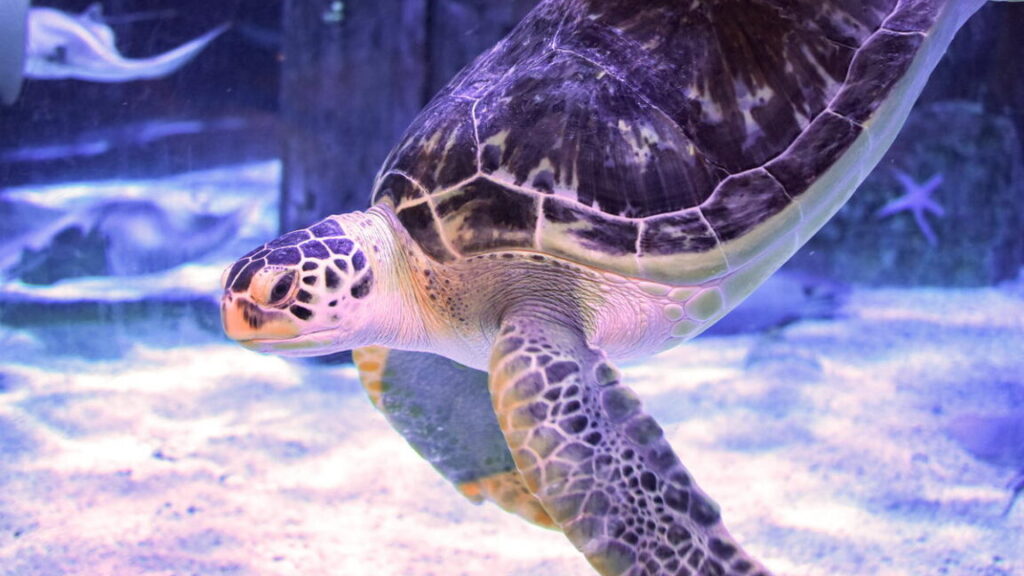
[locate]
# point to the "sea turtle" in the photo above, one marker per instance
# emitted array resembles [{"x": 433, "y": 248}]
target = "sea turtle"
[{"x": 603, "y": 184}]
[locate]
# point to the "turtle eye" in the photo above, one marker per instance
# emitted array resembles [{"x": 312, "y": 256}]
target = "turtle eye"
[
  {"x": 282, "y": 288},
  {"x": 273, "y": 287}
]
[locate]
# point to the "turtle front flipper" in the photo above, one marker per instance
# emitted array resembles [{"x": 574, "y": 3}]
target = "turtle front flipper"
[
  {"x": 601, "y": 466},
  {"x": 443, "y": 410}
]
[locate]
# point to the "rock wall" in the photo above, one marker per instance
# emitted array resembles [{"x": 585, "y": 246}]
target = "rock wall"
[{"x": 978, "y": 239}]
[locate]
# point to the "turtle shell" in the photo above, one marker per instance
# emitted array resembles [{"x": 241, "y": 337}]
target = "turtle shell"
[{"x": 672, "y": 142}]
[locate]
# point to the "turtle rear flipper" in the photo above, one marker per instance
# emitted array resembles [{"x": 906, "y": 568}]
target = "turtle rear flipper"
[
  {"x": 601, "y": 466},
  {"x": 443, "y": 410}
]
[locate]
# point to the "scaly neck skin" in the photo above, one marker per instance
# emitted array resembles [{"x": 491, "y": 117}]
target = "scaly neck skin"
[
  {"x": 451, "y": 309},
  {"x": 397, "y": 315},
  {"x": 456, "y": 309}
]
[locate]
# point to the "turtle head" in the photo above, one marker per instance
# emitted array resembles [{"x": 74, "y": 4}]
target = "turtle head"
[{"x": 306, "y": 293}]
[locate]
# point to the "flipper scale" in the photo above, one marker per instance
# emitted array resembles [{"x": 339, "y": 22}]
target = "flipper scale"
[{"x": 601, "y": 466}]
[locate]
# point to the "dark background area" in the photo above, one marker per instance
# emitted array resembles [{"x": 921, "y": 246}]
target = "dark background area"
[
  {"x": 353, "y": 79},
  {"x": 352, "y": 86},
  {"x": 985, "y": 64},
  {"x": 236, "y": 76}
]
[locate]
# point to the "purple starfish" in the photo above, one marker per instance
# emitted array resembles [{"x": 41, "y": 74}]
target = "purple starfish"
[{"x": 917, "y": 198}]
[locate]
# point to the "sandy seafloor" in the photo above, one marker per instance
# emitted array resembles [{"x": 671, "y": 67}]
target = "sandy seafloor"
[{"x": 160, "y": 448}]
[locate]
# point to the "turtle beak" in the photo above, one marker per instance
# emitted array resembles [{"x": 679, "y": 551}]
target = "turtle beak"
[{"x": 247, "y": 323}]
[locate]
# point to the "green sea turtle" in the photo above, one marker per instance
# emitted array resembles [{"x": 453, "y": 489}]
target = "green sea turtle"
[{"x": 605, "y": 183}]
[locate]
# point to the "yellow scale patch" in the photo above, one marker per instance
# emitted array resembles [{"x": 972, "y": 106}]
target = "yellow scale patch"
[
  {"x": 370, "y": 360},
  {"x": 509, "y": 491}
]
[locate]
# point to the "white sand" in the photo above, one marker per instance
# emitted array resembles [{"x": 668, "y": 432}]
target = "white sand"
[{"x": 823, "y": 444}]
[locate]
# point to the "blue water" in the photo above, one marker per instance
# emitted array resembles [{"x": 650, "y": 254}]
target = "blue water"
[{"x": 862, "y": 413}]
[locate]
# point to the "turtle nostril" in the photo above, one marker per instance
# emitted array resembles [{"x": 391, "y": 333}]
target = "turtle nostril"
[{"x": 282, "y": 288}]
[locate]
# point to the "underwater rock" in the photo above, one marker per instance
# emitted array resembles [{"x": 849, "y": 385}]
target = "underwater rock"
[
  {"x": 116, "y": 238},
  {"x": 19, "y": 218},
  {"x": 997, "y": 439},
  {"x": 994, "y": 438},
  {"x": 977, "y": 242},
  {"x": 784, "y": 298}
]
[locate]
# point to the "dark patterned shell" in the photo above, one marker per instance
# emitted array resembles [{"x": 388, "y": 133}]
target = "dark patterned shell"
[{"x": 672, "y": 141}]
